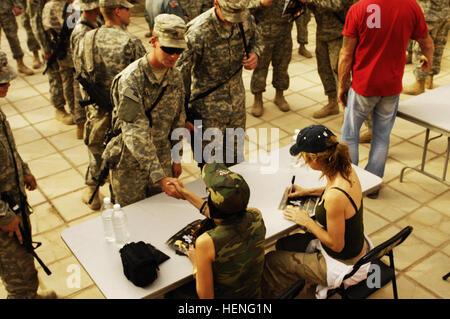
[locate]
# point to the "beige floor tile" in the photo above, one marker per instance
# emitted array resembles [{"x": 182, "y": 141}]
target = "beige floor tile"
[
  {"x": 44, "y": 218},
  {"x": 8, "y": 109},
  {"x": 70, "y": 206},
  {"x": 3, "y": 293},
  {"x": 429, "y": 274},
  {"x": 77, "y": 155},
  {"x": 65, "y": 140},
  {"x": 53, "y": 247},
  {"x": 315, "y": 93},
  {"x": 438, "y": 146},
  {"x": 298, "y": 102},
  {"x": 48, "y": 165},
  {"x": 68, "y": 277},
  {"x": 82, "y": 169},
  {"x": 290, "y": 123},
  {"x": 39, "y": 115},
  {"x": 36, "y": 78},
  {"x": 418, "y": 186},
  {"x": 313, "y": 77},
  {"x": 298, "y": 83},
  {"x": 441, "y": 203},
  {"x": 446, "y": 250},
  {"x": 406, "y": 129},
  {"x": 392, "y": 170},
  {"x": 18, "y": 83},
  {"x": 23, "y": 93},
  {"x": 406, "y": 153},
  {"x": 89, "y": 293},
  {"x": 25, "y": 135},
  {"x": 406, "y": 289},
  {"x": 334, "y": 123},
  {"x": 35, "y": 197},
  {"x": 16, "y": 122},
  {"x": 391, "y": 204},
  {"x": 35, "y": 149},
  {"x": 429, "y": 225},
  {"x": 43, "y": 87},
  {"x": 61, "y": 183},
  {"x": 435, "y": 166},
  {"x": 373, "y": 222},
  {"x": 271, "y": 111},
  {"x": 53, "y": 127},
  {"x": 251, "y": 120},
  {"x": 262, "y": 133}
]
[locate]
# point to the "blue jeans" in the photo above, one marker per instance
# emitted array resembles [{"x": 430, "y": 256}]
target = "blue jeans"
[{"x": 384, "y": 110}]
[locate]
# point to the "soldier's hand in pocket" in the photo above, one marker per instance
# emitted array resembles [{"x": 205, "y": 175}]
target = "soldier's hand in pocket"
[{"x": 13, "y": 228}]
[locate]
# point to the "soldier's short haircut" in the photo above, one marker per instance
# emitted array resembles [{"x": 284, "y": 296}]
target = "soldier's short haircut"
[{"x": 108, "y": 12}]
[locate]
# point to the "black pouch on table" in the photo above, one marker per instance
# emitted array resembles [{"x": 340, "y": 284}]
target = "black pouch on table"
[{"x": 140, "y": 262}]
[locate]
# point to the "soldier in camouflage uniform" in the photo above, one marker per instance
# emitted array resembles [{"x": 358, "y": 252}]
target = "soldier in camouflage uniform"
[
  {"x": 302, "y": 33},
  {"x": 193, "y": 8},
  {"x": 230, "y": 256},
  {"x": 155, "y": 7},
  {"x": 34, "y": 10},
  {"x": 32, "y": 42},
  {"x": 275, "y": 31},
  {"x": 9, "y": 9},
  {"x": 213, "y": 61},
  {"x": 17, "y": 270},
  {"x": 106, "y": 52},
  {"x": 437, "y": 16},
  {"x": 148, "y": 101},
  {"x": 330, "y": 18},
  {"x": 53, "y": 20},
  {"x": 88, "y": 21}
]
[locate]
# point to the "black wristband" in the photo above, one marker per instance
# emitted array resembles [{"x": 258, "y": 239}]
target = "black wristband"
[{"x": 203, "y": 207}]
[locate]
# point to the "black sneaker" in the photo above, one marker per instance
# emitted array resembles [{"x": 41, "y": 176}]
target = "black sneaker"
[{"x": 374, "y": 195}]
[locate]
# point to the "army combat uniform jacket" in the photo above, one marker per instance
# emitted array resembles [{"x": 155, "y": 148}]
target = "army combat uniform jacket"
[{"x": 140, "y": 155}]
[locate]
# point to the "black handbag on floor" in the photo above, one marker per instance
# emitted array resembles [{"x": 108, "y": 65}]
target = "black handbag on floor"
[{"x": 140, "y": 262}]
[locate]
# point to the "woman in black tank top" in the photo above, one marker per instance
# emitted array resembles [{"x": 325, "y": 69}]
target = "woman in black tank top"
[{"x": 339, "y": 225}]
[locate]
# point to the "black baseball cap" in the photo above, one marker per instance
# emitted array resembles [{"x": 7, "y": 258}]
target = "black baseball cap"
[{"x": 312, "y": 139}]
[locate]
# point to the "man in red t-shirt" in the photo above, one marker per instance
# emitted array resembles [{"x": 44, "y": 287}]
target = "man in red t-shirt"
[{"x": 376, "y": 34}]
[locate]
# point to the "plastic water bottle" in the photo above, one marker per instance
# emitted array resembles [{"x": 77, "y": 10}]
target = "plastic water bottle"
[
  {"x": 107, "y": 219},
  {"x": 120, "y": 226}
]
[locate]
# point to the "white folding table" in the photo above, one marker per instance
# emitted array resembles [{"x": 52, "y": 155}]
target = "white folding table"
[
  {"x": 157, "y": 218},
  {"x": 432, "y": 111}
]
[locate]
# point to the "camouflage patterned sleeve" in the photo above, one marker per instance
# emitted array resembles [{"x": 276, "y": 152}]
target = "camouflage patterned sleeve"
[
  {"x": 180, "y": 119},
  {"x": 136, "y": 133},
  {"x": 139, "y": 49},
  {"x": 256, "y": 40},
  {"x": 34, "y": 9},
  {"x": 253, "y": 4},
  {"x": 6, "y": 215},
  {"x": 334, "y": 5}
]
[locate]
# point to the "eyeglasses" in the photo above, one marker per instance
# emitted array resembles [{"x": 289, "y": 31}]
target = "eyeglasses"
[{"x": 171, "y": 51}]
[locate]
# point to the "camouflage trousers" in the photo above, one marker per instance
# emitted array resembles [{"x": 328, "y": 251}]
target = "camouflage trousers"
[
  {"x": 9, "y": 25},
  {"x": 232, "y": 147},
  {"x": 327, "y": 54},
  {"x": 32, "y": 43},
  {"x": 302, "y": 27},
  {"x": 130, "y": 183},
  {"x": 438, "y": 32},
  {"x": 17, "y": 270},
  {"x": 97, "y": 124},
  {"x": 277, "y": 50},
  {"x": 289, "y": 263},
  {"x": 64, "y": 88}
]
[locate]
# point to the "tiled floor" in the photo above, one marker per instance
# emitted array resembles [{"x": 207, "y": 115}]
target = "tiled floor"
[{"x": 59, "y": 161}]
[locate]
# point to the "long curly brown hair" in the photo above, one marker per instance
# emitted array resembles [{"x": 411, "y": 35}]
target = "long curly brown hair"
[{"x": 334, "y": 160}]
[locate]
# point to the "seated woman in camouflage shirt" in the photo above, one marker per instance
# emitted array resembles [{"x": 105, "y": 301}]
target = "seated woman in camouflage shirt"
[{"x": 228, "y": 260}]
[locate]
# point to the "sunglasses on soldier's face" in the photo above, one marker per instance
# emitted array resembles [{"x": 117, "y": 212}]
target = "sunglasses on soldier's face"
[{"x": 171, "y": 51}]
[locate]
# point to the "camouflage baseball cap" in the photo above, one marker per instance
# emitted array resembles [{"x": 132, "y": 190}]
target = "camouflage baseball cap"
[
  {"x": 229, "y": 191},
  {"x": 115, "y": 3},
  {"x": 233, "y": 10},
  {"x": 7, "y": 72},
  {"x": 86, "y": 5},
  {"x": 170, "y": 29}
]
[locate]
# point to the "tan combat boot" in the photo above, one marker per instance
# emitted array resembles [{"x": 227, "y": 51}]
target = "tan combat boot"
[
  {"x": 429, "y": 82},
  {"x": 331, "y": 108},
  {"x": 281, "y": 102},
  {"x": 86, "y": 196},
  {"x": 80, "y": 130},
  {"x": 257, "y": 108},
  {"x": 302, "y": 50},
  {"x": 64, "y": 117},
  {"x": 36, "y": 61},
  {"x": 366, "y": 137},
  {"x": 416, "y": 88},
  {"x": 47, "y": 295},
  {"x": 22, "y": 68}
]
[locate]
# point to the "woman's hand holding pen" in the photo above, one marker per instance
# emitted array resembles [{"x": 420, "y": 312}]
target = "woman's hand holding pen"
[{"x": 296, "y": 191}]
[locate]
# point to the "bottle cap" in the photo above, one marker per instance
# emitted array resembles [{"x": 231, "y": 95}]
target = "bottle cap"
[
  {"x": 107, "y": 200},
  {"x": 116, "y": 206}
]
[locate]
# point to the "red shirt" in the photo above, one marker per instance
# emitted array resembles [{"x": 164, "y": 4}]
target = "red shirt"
[{"x": 383, "y": 28}]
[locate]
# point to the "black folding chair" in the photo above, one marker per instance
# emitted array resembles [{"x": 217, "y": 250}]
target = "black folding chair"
[{"x": 387, "y": 273}]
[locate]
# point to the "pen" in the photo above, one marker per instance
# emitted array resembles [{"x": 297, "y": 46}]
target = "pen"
[{"x": 292, "y": 182}]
